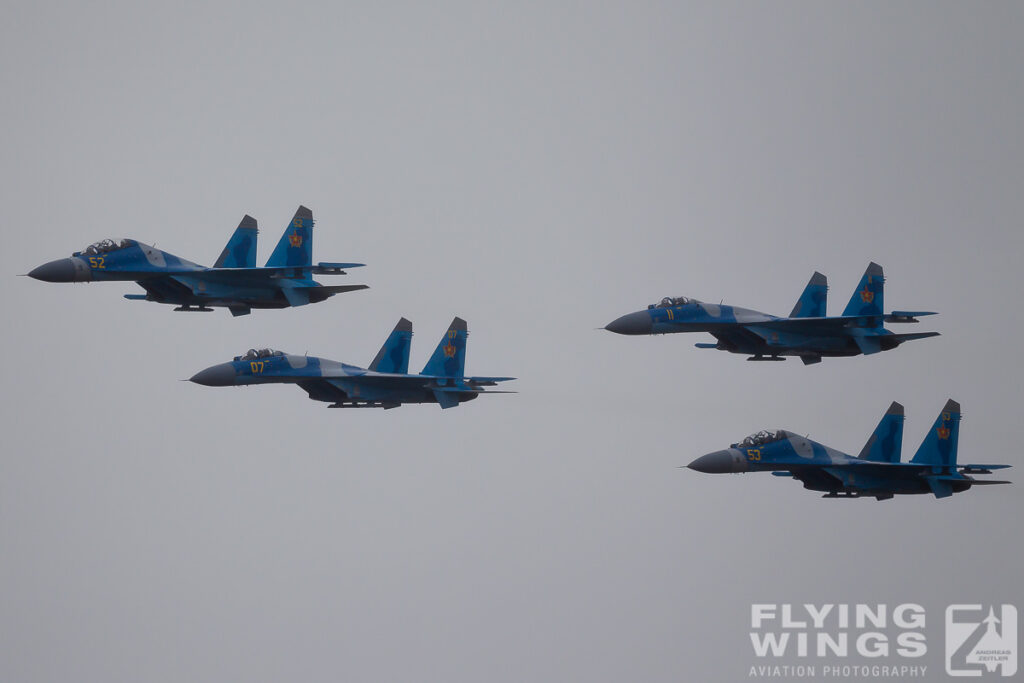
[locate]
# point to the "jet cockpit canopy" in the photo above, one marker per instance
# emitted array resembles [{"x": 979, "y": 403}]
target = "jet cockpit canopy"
[
  {"x": 254, "y": 354},
  {"x": 671, "y": 301},
  {"x": 105, "y": 246},
  {"x": 762, "y": 437}
]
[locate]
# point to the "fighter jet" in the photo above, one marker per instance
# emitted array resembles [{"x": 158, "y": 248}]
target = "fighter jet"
[
  {"x": 234, "y": 281},
  {"x": 807, "y": 332},
  {"x": 386, "y": 383},
  {"x": 876, "y": 471}
]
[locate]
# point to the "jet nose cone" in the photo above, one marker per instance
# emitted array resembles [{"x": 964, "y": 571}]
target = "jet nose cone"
[
  {"x": 222, "y": 375},
  {"x": 61, "y": 270},
  {"x": 720, "y": 462},
  {"x": 631, "y": 323}
]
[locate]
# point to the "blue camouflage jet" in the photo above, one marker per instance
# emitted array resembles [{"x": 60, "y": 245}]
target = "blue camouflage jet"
[
  {"x": 234, "y": 281},
  {"x": 387, "y": 383},
  {"x": 808, "y": 332},
  {"x": 876, "y": 471}
]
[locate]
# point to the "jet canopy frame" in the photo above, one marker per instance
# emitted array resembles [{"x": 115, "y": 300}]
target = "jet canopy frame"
[
  {"x": 762, "y": 437},
  {"x": 106, "y": 246},
  {"x": 254, "y": 354},
  {"x": 672, "y": 301}
]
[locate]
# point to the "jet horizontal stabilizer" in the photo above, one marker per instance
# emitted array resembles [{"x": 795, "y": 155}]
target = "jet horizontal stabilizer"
[
  {"x": 339, "y": 289},
  {"x": 706, "y": 345},
  {"x": 981, "y": 469},
  {"x": 136, "y": 297},
  {"x": 906, "y": 316},
  {"x": 914, "y": 335},
  {"x": 487, "y": 381},
  {"x": 325, "y": 268}
]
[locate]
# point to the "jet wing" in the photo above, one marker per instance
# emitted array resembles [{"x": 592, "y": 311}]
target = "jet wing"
[
  {"x": 737, "y": 336},
  {"x": 384, "y": 379},
  {"x": 275, "y": 272},
  {"x": 832, "y": 323},
  {"x": 809, "y": 325},
  {"x": 165, "y": 288}
]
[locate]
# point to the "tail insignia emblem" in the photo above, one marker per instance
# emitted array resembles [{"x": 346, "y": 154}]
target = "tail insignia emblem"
[
  {"x": 943, "y": 432},
  {"x": 449, "y": 350},
  {"x": 867, "y": 296},
  {"x": 295, "y": 239}
]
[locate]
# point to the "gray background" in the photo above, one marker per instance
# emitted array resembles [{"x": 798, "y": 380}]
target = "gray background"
[{"x": 538, "y": 169}]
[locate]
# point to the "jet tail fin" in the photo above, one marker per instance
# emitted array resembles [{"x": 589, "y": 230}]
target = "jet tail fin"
[
  {"x": 394, "y": 355},
  {"x": 939, "y": 446},
  {"x": 240, "y": 251},
  {"x": 867, "y": 299},
  {"x": 449, "y": 358},
  {"x": 886, "y": 442},
  {"x": 811, "y": 303},
  {"x": 295, "y": 248}
]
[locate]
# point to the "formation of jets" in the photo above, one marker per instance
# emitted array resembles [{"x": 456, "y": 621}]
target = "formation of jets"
[{"x": 235, "y": 282}]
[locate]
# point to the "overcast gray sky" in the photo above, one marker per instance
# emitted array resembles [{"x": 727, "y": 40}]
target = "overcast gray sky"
[{"x": 538, "y": 169}]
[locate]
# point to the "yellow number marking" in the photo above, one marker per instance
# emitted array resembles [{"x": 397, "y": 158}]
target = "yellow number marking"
[
  {"x": 671, "y": 315},
  {"x": 256, "y": 366},
  {"x": 754, "y": 453},
  {"x": 96, "y": 261}
]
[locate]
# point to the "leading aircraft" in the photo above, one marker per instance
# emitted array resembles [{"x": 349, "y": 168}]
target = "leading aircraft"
[
  {"x": 876, "y": 471},
  {"x": 234, "y": 281},
  {"x": 386, "y": 383},
  {"x": 808, "y": 332}
]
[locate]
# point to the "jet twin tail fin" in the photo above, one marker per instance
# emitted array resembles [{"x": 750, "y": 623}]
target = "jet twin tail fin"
[
  {"x": 939, "y": 446},
  {"x": 811, "y": 303},
  {"x": 867, "y": 300},
  {"x": 393, "y": 357},
  {"x": 240, "y": 251},
  {"x": 295, "y": 248},
  {"x": 886, "y": 442},
  {"x": 449, "y": 358}
]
